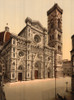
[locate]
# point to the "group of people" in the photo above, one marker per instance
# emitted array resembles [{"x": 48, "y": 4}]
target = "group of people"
[{"x": 60, "y": 97}]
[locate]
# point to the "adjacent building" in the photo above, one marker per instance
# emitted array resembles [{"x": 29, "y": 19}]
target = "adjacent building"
[
  {"x": 67, "y": 68},
  {"x": 72, "y": 61}
]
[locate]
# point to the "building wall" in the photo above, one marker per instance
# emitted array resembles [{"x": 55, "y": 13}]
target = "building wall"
[
  {"x": 67, "y": 68},
  {"x": 72, "y": 62}
]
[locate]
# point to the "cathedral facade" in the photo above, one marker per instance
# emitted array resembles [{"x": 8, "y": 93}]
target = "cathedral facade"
[{"x": 35, "y": 52}]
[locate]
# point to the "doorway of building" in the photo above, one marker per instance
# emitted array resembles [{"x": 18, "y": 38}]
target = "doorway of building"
[
  {"x": 48, "y": 74},
  {"x": 19, "y": 76},
  {"x": 36, "y": 74}
]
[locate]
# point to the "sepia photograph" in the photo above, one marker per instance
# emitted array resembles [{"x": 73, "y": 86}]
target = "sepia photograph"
[{"x": 36, "y": 49}]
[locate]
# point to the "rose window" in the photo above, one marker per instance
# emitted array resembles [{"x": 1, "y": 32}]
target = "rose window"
[
  {"x": 38, "y": 64},
  {"x": 37, "y": 38}
]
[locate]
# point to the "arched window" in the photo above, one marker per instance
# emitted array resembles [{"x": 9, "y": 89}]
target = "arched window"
[
  {"x": 13, "y": 49},
  {"x": 13, "y": 41},
  {"x": 52, "y": 23},
  {"x": 13, "y": 63},
  {"x": 59, "y": 37},
  {"x": 59, "y": 23},
  {"x": 59, "y": 48}
]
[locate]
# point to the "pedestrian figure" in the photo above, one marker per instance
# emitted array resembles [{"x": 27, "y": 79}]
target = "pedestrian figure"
[
  {"x": 65, "y": 98},
  {"x": 60, "y": 97}
]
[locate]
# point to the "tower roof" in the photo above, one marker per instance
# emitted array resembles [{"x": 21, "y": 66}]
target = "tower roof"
[{"x": 53, "y": 8}]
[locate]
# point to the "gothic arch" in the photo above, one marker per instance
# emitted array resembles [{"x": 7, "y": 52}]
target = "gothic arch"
[
  {"x": 37, "y": 69},
  {"x": 59, "y": 37},
  {"x": 21, "y": 68}
]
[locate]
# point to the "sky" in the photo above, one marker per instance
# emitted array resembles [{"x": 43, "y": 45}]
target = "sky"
[{"x": 14, "y": 12}]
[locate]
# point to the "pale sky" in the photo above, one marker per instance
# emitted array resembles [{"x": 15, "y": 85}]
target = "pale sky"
[{"x": 14, "y": 12}]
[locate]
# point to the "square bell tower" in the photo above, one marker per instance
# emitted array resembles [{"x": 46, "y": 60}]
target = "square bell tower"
[{"x": 55, "y": 35}]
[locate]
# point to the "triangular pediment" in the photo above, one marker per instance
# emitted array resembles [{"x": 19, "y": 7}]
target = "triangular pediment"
[{"x": 37, "y": 25}]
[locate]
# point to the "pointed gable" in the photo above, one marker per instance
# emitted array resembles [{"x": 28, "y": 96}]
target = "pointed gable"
[{"x": 35, "y": 24}]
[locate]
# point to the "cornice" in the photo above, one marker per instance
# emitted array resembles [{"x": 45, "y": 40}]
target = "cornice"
[
  {"x": 53, "y": 8},
  {"x": 31, "y": 22}
]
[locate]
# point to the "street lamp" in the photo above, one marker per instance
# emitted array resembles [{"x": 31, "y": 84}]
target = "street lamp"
[
  {"x": 66, "y": 86},
  {"x": 55, "y": 72}
]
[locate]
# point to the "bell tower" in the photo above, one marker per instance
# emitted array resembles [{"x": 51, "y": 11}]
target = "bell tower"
[{"x": 55, "y": 35}]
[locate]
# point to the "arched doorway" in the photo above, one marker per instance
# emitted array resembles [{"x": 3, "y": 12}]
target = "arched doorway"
[
  {"x": 37, "y": 70},
  {"x": 19, "y": 76},
  {"x": 36, "y": 74},
  {"x": 20, "y": 73},
  {"x": 48, "y": 74}
]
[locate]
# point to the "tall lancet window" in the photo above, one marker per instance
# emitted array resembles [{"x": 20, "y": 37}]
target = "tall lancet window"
[{"x": 59, "y": 24}]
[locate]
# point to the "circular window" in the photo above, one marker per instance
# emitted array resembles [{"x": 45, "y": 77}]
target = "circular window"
[
  {"x": 37, "y": 38},
  {"x": 21, "y": 53},
  {"x": 38, "y": 64},
  {"x": 48, "y": 58}
]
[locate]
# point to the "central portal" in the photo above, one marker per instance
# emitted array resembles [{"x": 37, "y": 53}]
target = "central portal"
[
  {"x": 36, "y": 74},
  {"x": 48, "y": 74},
  {"x": 19, "y": 76}
]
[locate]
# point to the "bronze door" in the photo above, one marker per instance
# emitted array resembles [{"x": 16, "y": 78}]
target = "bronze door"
[
  {"x": 36, "y": 74},
  {"x": 48, "y": 74},
  {"x": 19, "y": 76}
]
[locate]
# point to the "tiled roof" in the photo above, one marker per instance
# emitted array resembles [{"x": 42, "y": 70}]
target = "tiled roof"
[
  {"x": 1, "y": 36},
  {"x": 4, "y": 37}
]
